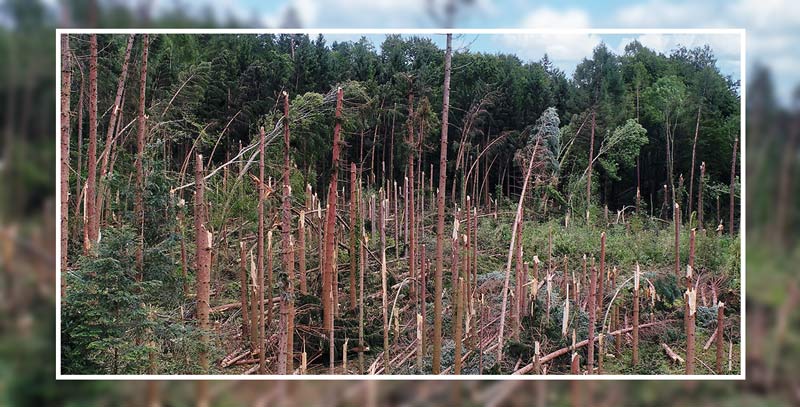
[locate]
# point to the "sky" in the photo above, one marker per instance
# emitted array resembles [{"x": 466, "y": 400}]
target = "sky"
[{"x": 773, "y": 26}]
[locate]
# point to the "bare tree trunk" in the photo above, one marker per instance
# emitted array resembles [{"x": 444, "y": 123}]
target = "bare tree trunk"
[
  {"x": 691, "y": 174},
  {"x": 635, "y": 357},
  {"x": 79, "y": 169},
  {"x": 362, "y": 266},
  {"x": 286, "y": 239},
  {"x": 410, "y": 202},
  {"x": 733, "y": 179},
  {"x": 720, "y": 334},
  {"x": 384, "y": 288},
  {"x": 243, "y": 291},
  {"x": 353, "y": 234},
  {"x": 517, "y": 223},
  {"x": 690, "y": 298},
  {"x": 260, "y": 253},
  {"x": 437, "y": 296},
  {"x": 301, "y": 245},
  {"x": 589, "y": 168},
  {"x": 677, "y": 218},
  {"x": 203, "y": 258},
  {"x": 330, "y": 225},
  {"x": 601, "y": 277},
  {"x": 592, "y": 319},
  {"x": 700, "y": 196},
  {"x": 66, "y": 83},
  {"x": 90, "y": 212},
  {"x": 140, "y": 146},
  {"x": 115, "y": 112},
  {"x": 458, "y": 324}
]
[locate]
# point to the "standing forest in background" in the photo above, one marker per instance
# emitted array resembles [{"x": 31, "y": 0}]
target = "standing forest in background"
[{"x": 274, "y": 204}]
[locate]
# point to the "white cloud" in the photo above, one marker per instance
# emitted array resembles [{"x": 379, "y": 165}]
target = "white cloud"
[
  {"x": 546, "y": 17},
  {"x": 563, "y": 49}
]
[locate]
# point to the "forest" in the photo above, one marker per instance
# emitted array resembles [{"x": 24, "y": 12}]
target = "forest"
[{"x": 278, "y": 204}]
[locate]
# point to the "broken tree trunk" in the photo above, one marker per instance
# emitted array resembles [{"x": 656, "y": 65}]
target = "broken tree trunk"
[
  {"x": 260, "y": 252},
  {"x": 517, "y": 222},
  {"x": 353, "y": 234},
  {"x": 733, "y": 179},
  {"x": 635, "y": 358},
  {"x": 720, "y": 334},
  {"x": 243, "y": 284},
  {"x": 700, "y": 196},
  {"x": 384, "y": 289},
  {"x": 203, "y": 258},
  {"x": 287, "y": 245},
  {"x": 329, "y": 266},
  {"x": 437, "y": 296}
]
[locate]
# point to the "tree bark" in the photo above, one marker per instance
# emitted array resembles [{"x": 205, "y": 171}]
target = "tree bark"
[
  {"x": 700, "y": 196},
  {"x": 353, "y": 236},
  {"x": 384, "y": 286},
  {"x": 329, "y": 265},
  {"x": 203, "y": 257},
  {"x": 635, "y": 357},
  {"x": 410, "y": 202},
  {"x": 437, "y": 296},
  {"x": 589, "y": 168},
  {"x": 115, "y": 111},
  {"x": 720, "y": 334},
  {"x": 140, "y": 146},
  {"x": 691, "y": 175},
  {"x": 286, "y": 236},
  {"x": 592, "y": 319},
  {"x": 733, "y": 179},
  {"x": 90, "y": 213},
  {"x": 66, "y": 83},
  {"x": 260, "y": 253},
  {"x": 243, "y": 292}
]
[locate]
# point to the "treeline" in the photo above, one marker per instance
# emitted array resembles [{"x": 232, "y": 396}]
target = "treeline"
[{"x": 204, "y": 86}]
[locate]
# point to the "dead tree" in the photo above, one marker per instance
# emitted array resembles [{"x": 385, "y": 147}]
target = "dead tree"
[
  {"x": 700, "y": 196},
  {"x": 140, "y": 146},
  {"x": 329, "y": 265},
  {"x": 720, "y": 334},
  {"x": 458, "y": 328},
  {"x": 635, "y": 357},
  {"x": 589, "y": 168},
  {"x": 203, "y": 259},
  {"x": 384, "y": 288},
  {"x": 410, "y": 190},
  {"x": 691, "y": 174},
  {"x": 66, "y": 82},
  {"x": 437, "y": 296},
  {"x": 690, "y": 298},
  {"x": 592, "y": 319},
  {"x": 286, "y": 237},
  {"x": 116, "y": 110},
  {"x": 733, "y": 179},
  {"x": 677, "y": 219},
  {"x": 260, "y": 252},
  {"x": 243, "y": 291},
  {"x": 353, "y": 234},
  {"x": 90, "y": 212},
  {"x": 517, "y": 223}
]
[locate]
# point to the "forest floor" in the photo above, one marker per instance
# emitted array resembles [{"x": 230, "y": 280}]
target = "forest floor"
[{"x": 643, "y": 240}]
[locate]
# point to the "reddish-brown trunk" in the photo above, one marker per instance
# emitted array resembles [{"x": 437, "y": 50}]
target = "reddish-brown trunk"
[
  {"x": 260, "y": 253},
  {"x": 140, "y": 146},
  {"x": 330, "y": 225},
  {"x": 437, "y": 296},
  {"x": 353, "y": 234},
  {"x": 700, "y": 196},
  {"x": 589, "y": 167},
  {"x": 691, "y": 174},
  {"x": 66, "y": 82},
  {"x": 592, "y": 319},
  {"x": 733, "y": 179},
  {"x": 286, "y": 237},
  {"x": 243, "y": 292},
  {"x": 410, "y": 203},
  {"x": 90, "y": 212},
  {"x": 203, "y": 258},
  {"x": 635, "y": 357}
]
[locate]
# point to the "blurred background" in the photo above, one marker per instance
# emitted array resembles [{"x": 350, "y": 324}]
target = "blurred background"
[{"x": 27, "y": 194}]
